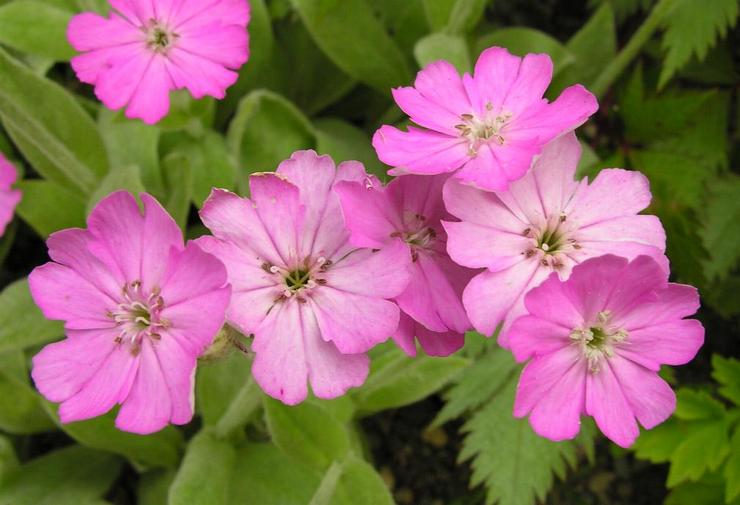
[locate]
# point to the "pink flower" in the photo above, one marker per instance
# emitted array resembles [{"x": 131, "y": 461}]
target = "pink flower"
[
  {"x": 596, "y": 343},
  {"x": 314, "y": 302},
  {"x": 145, "y": 48},
  {"x": 489, "y": 125},
  {"x": 139, "y": 308},
  {"x": 409, "y": 211},
  {"x": 546, "y": 222},
  {"x": 9, "y": 197}
]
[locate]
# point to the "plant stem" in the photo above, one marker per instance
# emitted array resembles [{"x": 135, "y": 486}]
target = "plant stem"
[
  {"x": 246, "y": 402},
  {"x": 615, "y": 67}
]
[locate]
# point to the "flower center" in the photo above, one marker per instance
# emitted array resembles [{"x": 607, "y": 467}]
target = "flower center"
[
  {"x": 597, "y": 341},
  {"x": 416, "y": 234},
  {"x": 159, "y": 37},
  {"x": 479, "y": 130},
  {"x": 138, "y": 316},
  {"x": 298, "y": 281},
  {"x": 552, "y": 242}
]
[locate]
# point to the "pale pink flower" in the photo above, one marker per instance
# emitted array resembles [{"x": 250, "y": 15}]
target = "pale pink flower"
[
  {"x": 146, "y": 48},
  {"x": 489, "y": 125},
  {"x": 139, "y": 307},
  {"x": 596, "y": 343},
  {"x": 314, "y": 302},
  {"x": 9, "y": 197},
  {"x": 409, "y": 210},
  {"x": 545, "y": 222}
]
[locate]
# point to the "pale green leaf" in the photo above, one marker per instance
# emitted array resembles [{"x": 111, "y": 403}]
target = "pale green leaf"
[
  {"x": 22, "y": 324},
  {"x": 694, "y": 405},
  {"x": 704, "y": 448},
  {"x": 36, "y": 28},
  {"x": 48, "y": 207},
  {"x": 359, "y": 484},
  {"x": 205, "y": 472},
  {"x": 441, "y": 46},
  {"x": 217, "y": 385},
  {"x": 126, "y": 178}
]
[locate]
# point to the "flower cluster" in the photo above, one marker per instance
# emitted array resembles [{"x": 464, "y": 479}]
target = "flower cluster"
[{"x": 485, "y": 227}]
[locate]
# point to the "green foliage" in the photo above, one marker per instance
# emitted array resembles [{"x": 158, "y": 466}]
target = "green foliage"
[
  {"x": 22, "y": 324},
  {"x": 48, "y": 207},
  {"x": 20, "y": 408},
  {"x": 36, "y": 28},
  {"x": 692, "y": 28},
  {"x": 440, "y": 46},
  {"x": 521, "y": 41}
]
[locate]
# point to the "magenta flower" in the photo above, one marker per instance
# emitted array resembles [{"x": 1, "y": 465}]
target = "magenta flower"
[
  {"x": 145, "y": 48},
  {"x": 409, "y": 211},
  {"x": 545, "y": 222},
  {"x": 139, "y": 308},
  {"x": 314, "y": 302},
  {"x": 9, "y": 197},
  {"x": 596, "y": 343},
  {"x": 489, "y": 125}
]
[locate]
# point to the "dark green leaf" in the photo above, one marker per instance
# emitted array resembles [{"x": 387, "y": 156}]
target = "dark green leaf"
[
  {"x": 726, "y": 371},
  {"x": 721, "y": 230},
  {"x": 343, "y": 141},
  {"x": 20, "y": 407},
  {"x": 154, "y": 486}
]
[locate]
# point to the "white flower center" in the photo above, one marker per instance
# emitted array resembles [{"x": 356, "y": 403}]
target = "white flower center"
[
  {"x": 597, "y": 341},
  {"x": 480, "y": 130},
  {"x": 138, "y": 316},
  {"x": 300, "y": 279},
  {"x": 551, "y": 241}
]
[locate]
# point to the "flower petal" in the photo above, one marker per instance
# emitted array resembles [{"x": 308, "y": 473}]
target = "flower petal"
[
  {"x": 650, "y": 397},
  {"x": 605, "y": 401},
  {"x": 596, "y": 202},
  {"x": 531, "y": 336},
  {"x": 420, "y": 151}
]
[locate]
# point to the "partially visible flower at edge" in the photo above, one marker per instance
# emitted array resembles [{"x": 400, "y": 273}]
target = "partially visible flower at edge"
[
  {"x": 546, "y": 222},
  {"x": 487, "y": 127},
  {"x": 314, "y": 303},
  {"x": 409, "y": 210},
  {"x": 139, "y": 307},
  {"x": 9, "y": 197},
  {"x": 596, "y": 343},
  {"x": 146, "y": 48}
]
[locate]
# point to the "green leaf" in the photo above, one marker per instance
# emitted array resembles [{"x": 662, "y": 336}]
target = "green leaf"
[
  {"x": 591, "y": 46},
  {"x": 465, "y": 15},
  {"x": 20, "y": 407},
  {"x": 69, "y": 476},
  {"x": 155, "y": 450},
  {"x": 119, "y": 178},
  {"x": 153, "y": 486},
  {"x": 306, "y": 432},
  {"x": 732, "y": 469},
  {"x": 50, "y": 128},
  {"x": 8, "y": 459},
  {"x": 726, "y": 371},
  {"x": 343, "y": 141},
  {"x": 264, "y": 475},
  {"x": 438, "y": 13},
  {"x": 205, "y": 472},
  {"x": 477, "y": 384},
  {"x": 721, "y": 230},
  {"x": 358, "y": 484},
  {"x": 48, "y": 207},
  {"x": 266, "y": 130},
  {"x": 371, "y": 57},
  {"x": 178, "y": 172},
  {"x": 520, "y": 41},
  {"x": 693, "y": 493},
  {"x": 189, "y": 114},
  {"x": 133, "y": 143},
  {"x": 659, "y": 444},
  {"x": 36, "y": 28},
  {"x": 217, "y": 385},
  {"x": 704, "y": 448},
  {"x": 696, "y": 405},
  {"x": 396, "y": 380},
  {"x": 692, "y": 28},
  {"x": 516, "y": 465},
  {"x": 22, "y": 324},
  {"x": 440, "y": 46},
  {"x": 328, "y": 486}
]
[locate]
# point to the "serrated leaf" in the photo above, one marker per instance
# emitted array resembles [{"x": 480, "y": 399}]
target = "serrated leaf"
[
  {"x": 69, "y": 476},
  {"x": 726, "y": 371},
  {"x": 306, "y": 432},
  {"x": 264, "y": 475},
  {"x": 732, "y": 469},
  {"x": 204, "y": 475},
  {"x": 266, "y": 130},
  {"x": 704, "y": 448},
  {"x": 692, "y": 28},
  {"x": 694, "y": 405},
  {"x": 372, "y": 58},
  {"x": 477, "y": 384},
  {"x": 50, "y": 128},
  {"x": 36, "y": 28},
  {"x": 441, "y": 46},
  {"x": 659, "y": 444},
  {"x": 22, "y": 324},
  {"x": 721, "y": 230},
  {"x": 396, "y": 380},
  {"x": 515, "y": 464}
]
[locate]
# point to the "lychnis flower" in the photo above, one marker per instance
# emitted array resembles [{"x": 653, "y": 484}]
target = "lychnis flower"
[
  {"x": 489, "y": 125},
  {"x": 139, "y": 307},
  {"x": 9, "y": 197},
  {"x": 409, "y": 210},
  {"x": 314, "y": 302},
  {"x": 546, "y": 222},
  {"x": 145, "y": 48},
  {"x": 596, "y": 343}
]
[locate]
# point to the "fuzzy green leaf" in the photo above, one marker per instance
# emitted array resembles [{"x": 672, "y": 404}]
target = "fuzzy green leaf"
[
  {"x": 36, "y": 28},
  {"x": 22, "y": 324}
]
